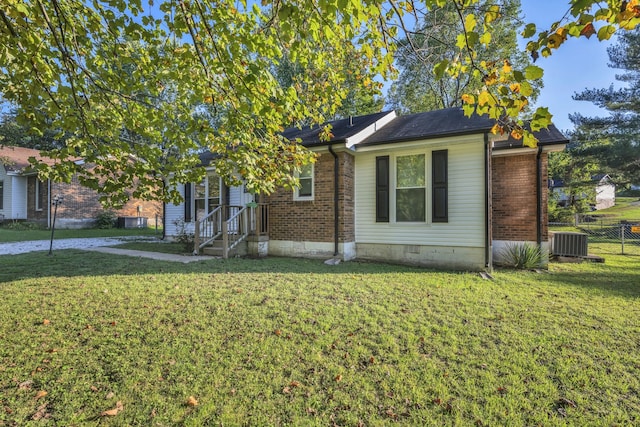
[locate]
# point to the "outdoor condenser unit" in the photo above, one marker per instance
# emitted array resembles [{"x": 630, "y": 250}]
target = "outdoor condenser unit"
[{"x": 569, "y": 244}]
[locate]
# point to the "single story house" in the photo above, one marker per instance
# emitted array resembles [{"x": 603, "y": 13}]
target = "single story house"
[
  {"x": 433, "y": 189},
  {"x": 605, "y": 191},
  {"x": 23, "y": 197}
]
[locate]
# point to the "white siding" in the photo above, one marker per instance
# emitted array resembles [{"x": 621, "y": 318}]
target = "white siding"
[
  {"x": 18, "y": 191},
  {"x": 175, "y": 213},
  {"x": 237, "y": 196},
  {"x": 466, "y": 177},
  {"x": 6, "y": 198}
]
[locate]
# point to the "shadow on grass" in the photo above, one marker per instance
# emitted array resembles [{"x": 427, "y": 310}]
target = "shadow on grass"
[
  {"x": 73, "y": 263},
  {"x": 622, "y": 279}
]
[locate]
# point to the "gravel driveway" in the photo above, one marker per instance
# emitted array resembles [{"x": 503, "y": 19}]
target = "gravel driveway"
[{"x": 15, "y": 248}]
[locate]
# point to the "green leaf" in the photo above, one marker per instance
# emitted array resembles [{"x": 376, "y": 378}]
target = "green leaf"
[
  {"x": 529, "y": 31},
  {"x": 533, "y": 72},
  {"x": 606, "y": 32},
  {"x": 440, "y": 68}
]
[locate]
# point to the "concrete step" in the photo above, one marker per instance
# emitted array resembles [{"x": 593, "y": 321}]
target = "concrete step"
[{"x": 215, "y": 249}]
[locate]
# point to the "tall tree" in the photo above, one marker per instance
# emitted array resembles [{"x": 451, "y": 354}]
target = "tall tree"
[
  {"x": 614, "y": 140},
  {"x": 69, "y": 65},
  {"x": 417, "y": 87}
]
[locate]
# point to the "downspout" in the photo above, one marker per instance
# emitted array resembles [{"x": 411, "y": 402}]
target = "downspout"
[
  {"x": 336, "y": 196},
  {"x": 488, "y": 219},
  {"x": 539, "y": 198}
]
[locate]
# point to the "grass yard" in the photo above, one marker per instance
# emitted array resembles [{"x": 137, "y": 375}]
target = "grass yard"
[
  {"x": 95, "y": 339},
  {"x": 626, "y": 208}
]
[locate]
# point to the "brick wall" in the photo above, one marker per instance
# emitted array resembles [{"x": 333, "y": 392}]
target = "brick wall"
[
  {"x": 32, "y": 213},
  {"x": 514, "y": 197},
  {"x": 83, "y": 203},
  {"x": 313, "y": 221}
]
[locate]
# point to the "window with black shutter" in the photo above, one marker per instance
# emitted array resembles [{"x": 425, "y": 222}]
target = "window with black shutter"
[
  {"x": 439, "y": 186},
  {"x": 382, "y": 189},
  {"x": 187, "y": 203}
]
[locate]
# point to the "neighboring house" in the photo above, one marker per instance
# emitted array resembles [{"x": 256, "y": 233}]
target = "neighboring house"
[
  {"x": 434, "y": 189},
  {"x": 24, "y": 197},
  {"x": 605, "y": 191}
]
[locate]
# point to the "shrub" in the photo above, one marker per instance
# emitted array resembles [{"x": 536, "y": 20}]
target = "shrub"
[
  {"x": 522, "y": 255},
  {"x": 22, "y": 225},
  {"x": 106, "y": 219},
  {"x": 184, "y": 236}
]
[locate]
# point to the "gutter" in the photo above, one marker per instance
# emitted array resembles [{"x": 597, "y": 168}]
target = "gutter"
[
  {"x": 488, "y": 249},
  {"x": 336, "y": 196}
]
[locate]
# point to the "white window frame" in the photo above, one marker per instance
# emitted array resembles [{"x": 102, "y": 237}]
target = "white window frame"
[
  {"x": 38, "y": 202},
  {"x": 394, "y": 188},
  {"x": 207, "y": 196},
  {"x": 296, "y": 191}
]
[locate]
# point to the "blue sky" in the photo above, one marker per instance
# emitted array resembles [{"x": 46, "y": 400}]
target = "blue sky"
[{"x": 577, "y": 65}]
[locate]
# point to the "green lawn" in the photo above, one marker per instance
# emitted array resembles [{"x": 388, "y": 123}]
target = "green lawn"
[
  {"x": 296, "y": 342},
  {"x": 18, "y": 234},
  {"x": 627, "y": 208}
]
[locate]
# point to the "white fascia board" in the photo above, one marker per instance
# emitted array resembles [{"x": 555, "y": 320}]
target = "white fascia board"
[{"x": 369, "y": 130}]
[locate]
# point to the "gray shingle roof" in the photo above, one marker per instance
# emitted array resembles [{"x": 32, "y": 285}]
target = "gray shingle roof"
[{"x": 431, "y": 124}]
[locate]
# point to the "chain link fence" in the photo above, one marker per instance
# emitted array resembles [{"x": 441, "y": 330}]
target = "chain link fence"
[{"x": 605, "y": 235}]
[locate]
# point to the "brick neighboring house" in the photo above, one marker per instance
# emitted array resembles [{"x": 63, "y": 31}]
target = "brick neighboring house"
[
  {"x": 24, "y": 197},
  {"x": 434, "y": 189}
]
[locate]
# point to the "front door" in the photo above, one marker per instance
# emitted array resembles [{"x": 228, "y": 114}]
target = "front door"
[{"x": 207, "y": 195}]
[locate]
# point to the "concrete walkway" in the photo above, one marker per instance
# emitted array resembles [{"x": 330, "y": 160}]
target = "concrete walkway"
[
  {"x": 97, "y": 244},
  {"x": 151, "y": 255}
]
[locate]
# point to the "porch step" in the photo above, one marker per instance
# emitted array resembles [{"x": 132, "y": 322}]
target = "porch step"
[{"x": 215, "y": 249}]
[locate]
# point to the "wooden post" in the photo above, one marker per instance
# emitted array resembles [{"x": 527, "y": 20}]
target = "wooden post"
[
  {"x": 196, "y": 238},
  {"x": 225, "y": 240}
]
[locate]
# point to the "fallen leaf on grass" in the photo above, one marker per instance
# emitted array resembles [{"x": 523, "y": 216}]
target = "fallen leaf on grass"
[
  {"x": 372, "y": 360},
  {"x": 192, "y": 401},
  {"x": 278, "y": 332},
  {"x": 46, "y": 321},
  {"x": 294, "y": 384},
  {"x": 94, "y": 388},
  {"x": 41, "y": 413},
  {"x": 286, "y": 390},
  {"x": 109, "y": 395},
  {"x": 567, "y": 402},
  {"x": 113, "y": 412},
  {"x": 25, "y": 385},
  {"x": 40, "y": 394},
  {"x": 338, "y": 378}
]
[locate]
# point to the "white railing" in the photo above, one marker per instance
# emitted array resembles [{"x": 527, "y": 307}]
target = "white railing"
[
  {"x": 240, "y": 222},
  {"x": 234, "y": 230},
  {"x": 207, "y": 229}
]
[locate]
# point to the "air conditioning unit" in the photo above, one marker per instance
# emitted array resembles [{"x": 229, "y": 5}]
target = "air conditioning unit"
[{"x": 569, "y": 244}]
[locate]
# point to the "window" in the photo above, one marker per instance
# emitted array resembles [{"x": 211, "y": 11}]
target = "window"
[
  {"x": 39, "y": 192},
  {"x": 207, "y": 195},
  {"x": 410, "y": 188},
  {"x": 1, "y": 194},
  {"x": 305, "y": 190},
  {"x": 201, "y": 198}
]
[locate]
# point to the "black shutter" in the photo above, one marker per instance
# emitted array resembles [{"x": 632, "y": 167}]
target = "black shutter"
[
  {"x": 439, "y": 186},
  {"x": 382, "y": 189},
  {"x": 187, "y": 202}
]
